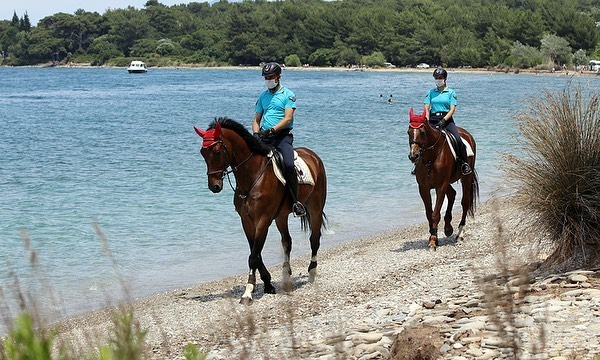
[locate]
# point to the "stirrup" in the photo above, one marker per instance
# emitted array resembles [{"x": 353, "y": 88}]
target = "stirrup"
[
  {"x": 298, "y": 209},
  {"x": 465, "y": 169}
]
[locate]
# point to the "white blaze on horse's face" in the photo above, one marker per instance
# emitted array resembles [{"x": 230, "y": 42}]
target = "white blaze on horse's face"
[
  {"x": 214, "y": 153},
  {"x": 416, "y": 139},
  {"x": 215, "y": 163}
]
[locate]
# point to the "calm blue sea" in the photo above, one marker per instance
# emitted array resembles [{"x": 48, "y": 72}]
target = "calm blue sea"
[{"x": 79, "y": 146}]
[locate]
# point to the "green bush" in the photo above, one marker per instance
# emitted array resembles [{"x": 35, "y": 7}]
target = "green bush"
[
  {"x": 374, "y": 60},
  {"x": 293, "y": 60},
  {"x": 557, "y": 176}
]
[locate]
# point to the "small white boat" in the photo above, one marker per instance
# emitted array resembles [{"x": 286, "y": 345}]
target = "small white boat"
[{"x": 137, "y": 67}]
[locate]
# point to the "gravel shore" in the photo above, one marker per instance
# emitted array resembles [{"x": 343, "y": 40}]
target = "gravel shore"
[{"x": 385, "y": 296}]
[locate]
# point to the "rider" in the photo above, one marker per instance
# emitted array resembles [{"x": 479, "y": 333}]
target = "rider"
[
  {"x": 440, "y": 104},
  {"x": 273, "y": 123}
]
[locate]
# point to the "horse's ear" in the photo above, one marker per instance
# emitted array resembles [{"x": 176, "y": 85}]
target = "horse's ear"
[
  {"x": 411, "y": 113},
  {"x": 424, "y": 112},
  {"x": 217, "y": 131},
  {"x": 199, "y": 132}
]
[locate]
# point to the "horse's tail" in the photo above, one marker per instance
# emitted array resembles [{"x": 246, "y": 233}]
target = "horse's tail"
[
  {"x": 306, "y": 220},
  {"x": 474, "y": 194}
]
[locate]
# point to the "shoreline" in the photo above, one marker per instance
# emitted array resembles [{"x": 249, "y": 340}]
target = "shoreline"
[
  {"x": 558, "y": 72},
  {"x": 376, "y": 285}
]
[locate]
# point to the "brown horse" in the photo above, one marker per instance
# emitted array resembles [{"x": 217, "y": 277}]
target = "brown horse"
[
  {"x": 260, "y": 197},
  {"x": 436, "y": 168}
]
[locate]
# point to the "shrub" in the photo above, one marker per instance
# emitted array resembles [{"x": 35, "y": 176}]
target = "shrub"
[
  {"x": 557, "y": 176},
  {"x": 293, "y": 60}
]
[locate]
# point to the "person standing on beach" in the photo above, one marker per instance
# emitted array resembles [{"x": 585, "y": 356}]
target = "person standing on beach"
[
  {"x": 273, "y": 123},
  {"x": 440, "y": 105}
]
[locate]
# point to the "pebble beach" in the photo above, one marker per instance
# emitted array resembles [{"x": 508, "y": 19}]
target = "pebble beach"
[{"x": 381, "y": 297}]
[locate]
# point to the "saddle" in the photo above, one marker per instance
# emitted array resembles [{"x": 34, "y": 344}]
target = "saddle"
[
  {"x": 453, "y": 144},
  {"x": 302, "y": 170}
]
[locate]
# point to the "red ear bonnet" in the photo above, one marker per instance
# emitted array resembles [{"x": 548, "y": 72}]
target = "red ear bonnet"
[
  {"x": 210, "y": 137},
  {"x": 416, "y": 121}
]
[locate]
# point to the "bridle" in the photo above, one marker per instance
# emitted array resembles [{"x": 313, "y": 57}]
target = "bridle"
[
  {"x": 423, "y": 148},
  {"x": 227, "y": 168}
]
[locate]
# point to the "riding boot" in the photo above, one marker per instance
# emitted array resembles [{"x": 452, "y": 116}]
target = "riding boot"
[
  {"x": 465, "y": 168},
  {"x": 292, "y": 183}
]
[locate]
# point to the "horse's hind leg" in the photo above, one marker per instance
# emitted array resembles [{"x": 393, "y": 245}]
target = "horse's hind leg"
[
  {"x": 316, "y": 222},
  {"x": 451, "y": 195},
  {"x": 286, "y": 244},
  {"x": 466, "y": 201}
]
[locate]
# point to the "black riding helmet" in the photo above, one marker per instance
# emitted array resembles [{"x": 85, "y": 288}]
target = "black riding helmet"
[
  {"x": 440, "y": 73},
  {"x": 271, "y": 68}
]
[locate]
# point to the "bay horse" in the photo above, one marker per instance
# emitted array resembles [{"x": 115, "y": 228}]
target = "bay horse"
[
  {"x": 260, "y": 197},
  {"x": 436, "y": 168}
]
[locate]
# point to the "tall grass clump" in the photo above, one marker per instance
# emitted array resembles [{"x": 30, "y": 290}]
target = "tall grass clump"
[{"x": 557, "y": 178}]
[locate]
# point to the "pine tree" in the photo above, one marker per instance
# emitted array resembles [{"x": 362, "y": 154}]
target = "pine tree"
[
  {"x": 25, "y": 23},
  {"x": 15, "y": 20}
]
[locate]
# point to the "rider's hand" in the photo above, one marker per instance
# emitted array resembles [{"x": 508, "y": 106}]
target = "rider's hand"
[{"x": 263, "y": 133}]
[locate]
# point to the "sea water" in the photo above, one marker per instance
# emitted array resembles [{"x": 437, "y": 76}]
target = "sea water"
[{"x": 100, "y": 170}]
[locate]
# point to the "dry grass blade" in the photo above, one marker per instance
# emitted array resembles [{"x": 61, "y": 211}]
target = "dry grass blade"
[{"x": 556, "y": 175}]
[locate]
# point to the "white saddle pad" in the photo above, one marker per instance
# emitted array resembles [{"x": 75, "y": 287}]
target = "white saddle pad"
[
  {"x": 304, "y": 175},
  {"x": 467, "y": 145}
]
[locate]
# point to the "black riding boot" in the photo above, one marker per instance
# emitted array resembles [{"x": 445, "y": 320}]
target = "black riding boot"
[
  {"x": 292, "y": 183},
  {"x": 465, "y": 168}
]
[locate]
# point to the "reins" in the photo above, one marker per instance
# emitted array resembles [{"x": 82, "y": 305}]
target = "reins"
[
  {"x": 224, "y": 172},
  {"x": 424, "y": 149}
]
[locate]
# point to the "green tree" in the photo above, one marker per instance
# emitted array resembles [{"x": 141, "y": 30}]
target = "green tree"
[
  {"x": 127, "y": 26},
  {"x": 293, "y": 60},
  {"x": 374, "y": 60},
  {"x": 580, "y": 58},
  {"x": 556, "y": 49},
  {"x": 523, "y": 56}
]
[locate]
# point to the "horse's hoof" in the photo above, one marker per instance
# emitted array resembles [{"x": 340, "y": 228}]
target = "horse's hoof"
[
  {"x": 246, "y": 301},
  {"x": 287, "y": 286},
  {"x": 449, "y": 231},
  {"x": 312, "y": 275},
  {"x": 270, "y": 289}
]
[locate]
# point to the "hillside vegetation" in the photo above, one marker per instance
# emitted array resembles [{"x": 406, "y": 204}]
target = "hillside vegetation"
[{"x": 477, "y": 33}]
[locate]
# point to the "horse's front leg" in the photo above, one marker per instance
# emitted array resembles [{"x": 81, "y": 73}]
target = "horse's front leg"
[
  {"x": 286, "y": 244},
  {"x": 451, "y": 195},
  {"x": 426, "y": 197},
  {"x": 440, "y": 194},
  {"x": 256, "y": 236}
]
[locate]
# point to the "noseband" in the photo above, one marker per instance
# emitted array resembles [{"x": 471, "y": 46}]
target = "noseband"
[
  {"x": 423, "y": 148},
  {"x": 226, "y": 164}
]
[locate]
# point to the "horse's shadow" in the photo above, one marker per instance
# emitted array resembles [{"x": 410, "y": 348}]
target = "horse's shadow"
[
  {"x": 451, "y": 240},
  {"x": 259, "y": 292}
]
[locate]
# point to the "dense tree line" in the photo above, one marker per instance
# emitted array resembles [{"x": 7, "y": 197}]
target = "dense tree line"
[{"x": 478, "y": 33}]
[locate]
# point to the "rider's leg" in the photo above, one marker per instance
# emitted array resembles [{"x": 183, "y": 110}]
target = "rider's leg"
[
  {"x": 462, "y": 149},
  {"x": 287, "y": 150}
]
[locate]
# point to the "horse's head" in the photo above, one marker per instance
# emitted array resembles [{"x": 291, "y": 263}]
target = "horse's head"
[
  {"x": 417, "y": 135},
  {"x": 214, "y": 151}
]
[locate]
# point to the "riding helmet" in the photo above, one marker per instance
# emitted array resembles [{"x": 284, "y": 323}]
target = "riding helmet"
[
  {"x": 440, "y": 72},
  {"x": 271, "y": 68}
]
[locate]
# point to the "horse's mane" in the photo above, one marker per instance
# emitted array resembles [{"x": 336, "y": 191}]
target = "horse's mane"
[{"x": 254, "y": 145}]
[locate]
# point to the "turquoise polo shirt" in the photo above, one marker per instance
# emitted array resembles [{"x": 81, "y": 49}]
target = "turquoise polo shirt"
[
  {"x": 272, "y": 106},
  {"x": 440, "y": 101}
]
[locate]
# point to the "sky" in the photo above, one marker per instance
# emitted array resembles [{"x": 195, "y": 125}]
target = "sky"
[{"x": 38, "y": 9}]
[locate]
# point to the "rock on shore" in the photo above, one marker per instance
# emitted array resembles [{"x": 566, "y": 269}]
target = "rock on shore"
[{"x": 381, "y": 297}]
